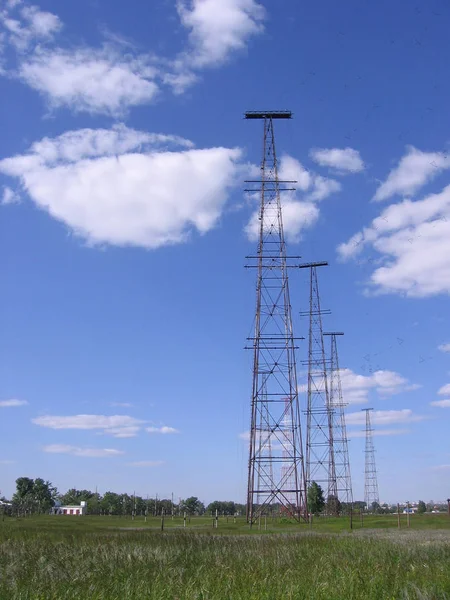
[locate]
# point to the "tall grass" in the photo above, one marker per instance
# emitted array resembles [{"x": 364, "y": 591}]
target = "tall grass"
[{"x": 46, "y": 560}]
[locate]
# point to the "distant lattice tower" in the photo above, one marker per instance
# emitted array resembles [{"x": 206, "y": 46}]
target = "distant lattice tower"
[
  {"x": 340, "y": 441},
  {"x": 370, "y": 474},
  {"x": 276, "y": 478},
  {"x": 320, "y": 465}
]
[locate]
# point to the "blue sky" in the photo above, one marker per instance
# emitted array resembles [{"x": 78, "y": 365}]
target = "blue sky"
[{"x": 124, "y": 231}]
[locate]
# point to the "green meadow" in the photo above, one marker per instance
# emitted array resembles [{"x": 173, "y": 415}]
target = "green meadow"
[{"x": 105, "y": 557}]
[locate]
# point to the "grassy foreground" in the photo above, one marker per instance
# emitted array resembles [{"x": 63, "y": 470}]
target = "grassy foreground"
[{"x": 94, "y": 558}]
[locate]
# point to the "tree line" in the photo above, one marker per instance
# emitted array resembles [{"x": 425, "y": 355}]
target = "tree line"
[{"x": 36, "y": 496}]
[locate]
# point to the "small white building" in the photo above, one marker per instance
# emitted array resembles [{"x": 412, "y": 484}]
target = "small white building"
[{"x": 71, "y": 509}]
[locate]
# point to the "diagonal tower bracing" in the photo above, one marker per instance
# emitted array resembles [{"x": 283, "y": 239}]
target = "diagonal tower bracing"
[
  {"x": 340, "y": 441},
  {"x": 276, "y": 477},
  {"x": 320, "y": 464}
]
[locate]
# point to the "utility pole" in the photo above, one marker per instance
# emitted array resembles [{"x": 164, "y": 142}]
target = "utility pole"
[
  {"x": 340, "y": 441},
  {"x": 320, "y": 460},
  {"x": 370, "y": 473},
  {"x": 275, "y": 477}
]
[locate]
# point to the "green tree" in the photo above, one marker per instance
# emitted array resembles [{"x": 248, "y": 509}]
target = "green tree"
[
  {"x": 316, "y": 500},
  {"x": 34, "y": 495},
  {"x": 193, "y": 506},
  {"x": 421, "y": 507}
]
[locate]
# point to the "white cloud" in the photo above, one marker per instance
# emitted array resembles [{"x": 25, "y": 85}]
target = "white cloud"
[
  {"x": 7, "y": 462},
  {"x": 123, "y": 432},
  {"x": 378, "y": 432},
  {"x": 83, "y": 452},
  {"x": 11, "y": 403},
  {"x": 111, "y": 79},
  {"x": 384, "y": 417},
  {"x": 122, "y": 404},
  {"x": 441, "y": 403},
  {"x": 298, "y": 208},
  {"x": 146, "y": 463},
  {"x": 444, "y": 390},
  {"x": 104, "y": 81},
  {"x": 444, "y": 347},
  {"x": 119, "y": 426},
  {"x": 441, "y": 467},
  {"x": 28, "y": 25},
  {"x": 9, "y": 196},
  {"x": 342, "y": 159},
  {"x": 217, "y": 28},
  {"x": 163, "y": 430},
  {"x": 356, "y": 388},
  {"x": 414, "y": 170},
  {"x": 120, "y": 187},
  {"x": 412, "y": 240}
]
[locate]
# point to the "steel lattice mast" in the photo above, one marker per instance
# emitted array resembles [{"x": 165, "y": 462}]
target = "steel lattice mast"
[
  {"x": 370, "y": 474},
  {"x": 340, "y": 441},
  {"x": 276, "y": 477},
  {"x": 320, "y": 465}
]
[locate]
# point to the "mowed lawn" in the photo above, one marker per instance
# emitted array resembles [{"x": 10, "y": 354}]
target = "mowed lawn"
[{"x": 110, "y": 557}]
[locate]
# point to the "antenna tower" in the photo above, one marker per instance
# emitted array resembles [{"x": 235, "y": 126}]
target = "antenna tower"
[
  {"x": 320, "y": 463},
  {"x": 340, "y": 442},
  {"x": 370, "y": 475},
  {"x": 275, "y": 477}
]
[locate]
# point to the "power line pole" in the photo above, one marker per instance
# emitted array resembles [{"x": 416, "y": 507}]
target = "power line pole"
[
  {"x": 370, "y": 474},
  {"x": 320, "y": 462},
  {"x": 278, "y": 476},
  {"x": 340, "y": 441}
]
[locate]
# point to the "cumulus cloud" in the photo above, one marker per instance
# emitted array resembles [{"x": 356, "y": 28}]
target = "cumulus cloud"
[
  {"x": 444, "y": 347},
  {"x": 26, "y": 24},
  {"x": 128, "y": 188},
  {"x": 412, "y": 242},
  {"x": 414, "y": 170},
  {"x": 343, "y": 160},
  {"x": 12, "y": 403},
  {"x": 356, "y": 388},
  {"x": 83, "y": 452},
  {"x": 119, "y": 426},
  {"x": 98, "y": 81},
  {"x": 384, "y": 417},
  {"x": 162, "y": 430},
  {"x": 299, "y": 208},
  {"x": 444, "y": 390},
  {"x": 441, "y": 403},
  {"x": 218, "y": 27},
  {"x": 109, "y": 80}
]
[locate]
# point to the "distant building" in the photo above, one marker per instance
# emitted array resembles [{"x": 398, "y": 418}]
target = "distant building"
[
  {"x": 411, "y": 510},
  {"x": 71, "y": 509}
]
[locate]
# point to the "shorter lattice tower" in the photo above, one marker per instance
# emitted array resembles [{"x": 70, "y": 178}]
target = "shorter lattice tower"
[
  {"x": 320, "y": 466},
  {"x": 340, "y": 441},
  {"x": 370, "y": 474}
]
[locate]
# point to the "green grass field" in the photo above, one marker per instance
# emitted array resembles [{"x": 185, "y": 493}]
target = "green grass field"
[{"x": 116, "y": 558}]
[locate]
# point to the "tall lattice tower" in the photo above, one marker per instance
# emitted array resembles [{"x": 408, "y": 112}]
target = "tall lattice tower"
[
  {"x": 320, "y": 465},
  {"x": 276, "y": 478},
  {"x": 370, "y": 474},
  {"x": 340, "y": 441}
]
